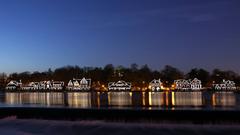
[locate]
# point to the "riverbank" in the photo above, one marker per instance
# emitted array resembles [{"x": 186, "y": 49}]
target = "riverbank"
[
  {"x": 94, "y": 90},
  {"x": 124, "y": 115},
  {"x": 12, "y": 126}
]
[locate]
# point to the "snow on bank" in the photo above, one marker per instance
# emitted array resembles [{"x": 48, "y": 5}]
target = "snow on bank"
[{"x": 13, "y": 126}]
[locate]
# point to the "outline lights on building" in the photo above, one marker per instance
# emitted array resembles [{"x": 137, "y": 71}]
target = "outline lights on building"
[{"x": 119, "y": 86}]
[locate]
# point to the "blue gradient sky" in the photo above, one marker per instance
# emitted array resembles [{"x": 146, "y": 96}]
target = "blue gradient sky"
[{"x": 42, "y": 34}]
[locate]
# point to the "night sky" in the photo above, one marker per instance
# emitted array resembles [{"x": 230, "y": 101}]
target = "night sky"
[{"x": 42, "y": 34}]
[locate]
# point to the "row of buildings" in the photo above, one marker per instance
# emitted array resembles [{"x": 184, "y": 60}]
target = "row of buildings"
[
  {"x": 181, "y": 84},
  {"x": 85, "y": 84},
  {"x": 196, "y": 84},
  {"x": 74, "y": 84},
  {"x": 225, "y": 85}
]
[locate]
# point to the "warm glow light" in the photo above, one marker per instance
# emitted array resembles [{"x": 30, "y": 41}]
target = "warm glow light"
[
  {"x": 167, "y": 103},
  {"x": 150, "y": 98},
  {"x": 173, "y": 99},
  {"x": 143, "y": 98},
  {"x": 130, "y": 93},
  {"x": 165, "y": 88},
  {"x": 213, "y": 100}
]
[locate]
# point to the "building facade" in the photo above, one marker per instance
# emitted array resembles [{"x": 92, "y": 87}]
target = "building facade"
[
  {"x": 196, "y": 84},
  {"x": 57, "y": 85},
  {"x": 31, "y": 86},
  {"x": 79, "y": 84},
  {"x": 183, "y": 84},
  {"x": 225, "y": 85},
  {"x": 155, "y": 85},
  {"x": 119, "y": 86},
  {"x": 13, "y": 85}
]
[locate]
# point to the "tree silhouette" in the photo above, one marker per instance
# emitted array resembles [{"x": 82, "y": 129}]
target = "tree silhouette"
[
  {"x": 169, "y": 74},
  {"x": 139, "y": 77},
  {"x": 201, "y": 74}
]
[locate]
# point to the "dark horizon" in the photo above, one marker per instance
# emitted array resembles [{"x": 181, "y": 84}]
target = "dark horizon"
[
  {"x": 116, "y": 67},
  {"x": 37, "y": 35},
  {"x": 138, "y": 75}
]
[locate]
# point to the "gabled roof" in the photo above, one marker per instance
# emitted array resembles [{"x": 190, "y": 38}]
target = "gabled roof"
[
  {"x": 155, "y": 81},
  {"x": 195, "y": 80},
  {"x": 119, "y": 84},
  {"x": 228, "y": 82},
  {"x": 75, "y": 82},
  {"x": 13, "y": 82},
  {"x": 183, "y": 81},
  {"x": 84, "y": 81},
  {"x": 70, "y": 82}
]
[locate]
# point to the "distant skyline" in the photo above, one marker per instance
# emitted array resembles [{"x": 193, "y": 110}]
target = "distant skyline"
[{"x": 37, "y": 35}]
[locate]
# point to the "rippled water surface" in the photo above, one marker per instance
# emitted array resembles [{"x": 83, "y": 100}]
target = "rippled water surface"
[{"x": 120, "y": 100}]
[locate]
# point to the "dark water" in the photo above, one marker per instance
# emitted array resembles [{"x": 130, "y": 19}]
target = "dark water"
[{"x": 129, "y": 100}]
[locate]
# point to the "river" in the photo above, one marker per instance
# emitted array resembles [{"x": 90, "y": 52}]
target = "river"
[{"x": 124, "y": 100}]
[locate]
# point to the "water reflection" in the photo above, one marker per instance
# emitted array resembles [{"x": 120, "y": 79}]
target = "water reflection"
[
  {"x": 187, "y": 99},
  {"x": 34, "y": 98},
  {"x": 149, "y": 100},
  {"x": 157, "y": 98},
  {"x": 224, "y": 99},
  {"x": 119, "y": 98},
  {"x": 79, "y": 100}
]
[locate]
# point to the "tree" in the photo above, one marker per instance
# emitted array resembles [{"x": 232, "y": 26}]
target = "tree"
[
  {"x": 108, "y": 73},
  {"x": 144, "y": 75},
  {"x": 201, "y": 74},
  {"x": 134, "y": 67},
  {"x": 218, "y": 75},
  {"x": 169, "y": 74},
  {"x": 3, "y": 78},
  {"x": 139, "y": 77},
  {"x": 156, "y": 75}
]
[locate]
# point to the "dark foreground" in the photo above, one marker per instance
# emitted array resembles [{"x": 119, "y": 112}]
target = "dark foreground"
[
  {"x": 35, "y": 121},
  {"x": 124, "y": 115},
  {"x": 12, "y": 126}
]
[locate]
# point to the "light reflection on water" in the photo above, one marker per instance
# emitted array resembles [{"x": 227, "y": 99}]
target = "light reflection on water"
[
  {"x": 79, "y": 100},
  {"x": 156, "y": 98},
  {"x": 187, "y": 99},
  {"x": 45, "y": 99},
  {"x": 224, "y": 99},
  {"x": 120, "y": 98},
  {"x": 148, "y": 100}
]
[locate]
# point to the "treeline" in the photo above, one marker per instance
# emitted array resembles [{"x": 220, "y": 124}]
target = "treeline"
[{"x": 140, "y": 76}]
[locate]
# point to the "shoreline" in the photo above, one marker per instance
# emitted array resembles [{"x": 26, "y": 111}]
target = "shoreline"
[
  {"x": 12, "y": 126},
  {"x": 93, "y": 90},
  {"x": 125, "y": 115}
]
